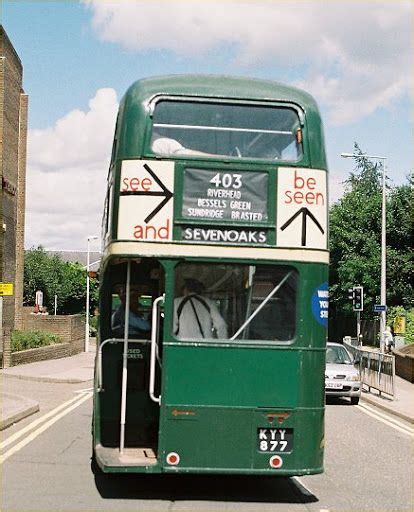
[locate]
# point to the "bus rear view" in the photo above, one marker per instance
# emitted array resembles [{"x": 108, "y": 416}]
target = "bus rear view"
[{"x": 213, "y": 294}]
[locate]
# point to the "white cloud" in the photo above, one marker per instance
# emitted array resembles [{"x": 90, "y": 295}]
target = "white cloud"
[
  {"x": 336, "y": 186},
  {"x": 66, "y": 176},
  {"x": 357, "y": 55}
]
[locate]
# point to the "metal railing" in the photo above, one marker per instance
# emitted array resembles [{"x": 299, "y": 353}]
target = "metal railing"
[{"x": 377, "y": 369}]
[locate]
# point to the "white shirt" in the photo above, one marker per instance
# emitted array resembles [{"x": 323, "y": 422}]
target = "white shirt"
[
  {"x": 187, "y": 325},
  {"x": 167, "y": 146}
]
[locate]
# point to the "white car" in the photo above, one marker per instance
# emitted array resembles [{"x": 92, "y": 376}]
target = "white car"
[{"x": 342, "y": 378}]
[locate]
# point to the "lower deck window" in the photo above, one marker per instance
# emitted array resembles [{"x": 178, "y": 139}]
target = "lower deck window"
[{"x": 235, "y": 302}]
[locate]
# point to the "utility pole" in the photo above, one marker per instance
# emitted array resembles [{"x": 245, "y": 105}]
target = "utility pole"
[
  {"x": 89, "y": 238},
  {"x": 383, "y": 280}
]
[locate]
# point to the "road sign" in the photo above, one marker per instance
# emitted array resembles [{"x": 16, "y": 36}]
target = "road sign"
[
  {"x": 301, "y": 208},
  {"x": 145, "y": 206},
  {"x": 379, "y": 307},
  {"x": 39, "y": 298},
  {"x": 6, "y": 289}
]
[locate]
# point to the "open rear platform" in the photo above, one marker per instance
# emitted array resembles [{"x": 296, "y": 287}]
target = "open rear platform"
[{"x": 144, "y": 456}]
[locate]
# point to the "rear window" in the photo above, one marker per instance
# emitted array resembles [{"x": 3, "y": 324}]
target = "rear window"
[{"x": 183, "y": 128}]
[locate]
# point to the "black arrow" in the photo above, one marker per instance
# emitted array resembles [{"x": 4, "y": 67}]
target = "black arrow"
[
  {"x": 305, "y": 213},
  {"x": 167, "y": 194}
]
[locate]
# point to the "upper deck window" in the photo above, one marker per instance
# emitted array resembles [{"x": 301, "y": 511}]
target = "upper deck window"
[{"x": 182, "y": 128}]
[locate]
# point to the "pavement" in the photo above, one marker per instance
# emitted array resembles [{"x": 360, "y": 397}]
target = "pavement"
[
  {"x": 71, "y": 370},
  {"x": 80, "y": 368}
]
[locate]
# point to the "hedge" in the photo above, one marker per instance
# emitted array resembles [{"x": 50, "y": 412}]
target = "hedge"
[{"x": 23, "y": 340}]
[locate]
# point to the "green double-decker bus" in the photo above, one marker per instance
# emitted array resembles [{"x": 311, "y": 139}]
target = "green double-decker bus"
[{"x": 213, "y": 281}]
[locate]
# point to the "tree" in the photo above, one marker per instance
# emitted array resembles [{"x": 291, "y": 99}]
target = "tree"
[
  {"x": 355, "y": 240},
  {"x": 53, "y": 277},
  {"x": 399, "y": 245}
]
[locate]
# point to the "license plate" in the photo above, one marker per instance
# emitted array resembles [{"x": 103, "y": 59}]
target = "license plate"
[
  {"x": 278, "y": 440},
  {"x": 333, "y": 385}
]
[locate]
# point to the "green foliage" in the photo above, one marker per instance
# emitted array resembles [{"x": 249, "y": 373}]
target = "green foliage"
[
  {"x": 93, "y": 325},
  {"x": 397, "y": 311},
  {"x": 23, "y": 340},
  {"x": 409, "y": 329},
  {"x": 355, "y": 240},
  {"x": 53, "y": 276},
  {"x": 393, "y": 312}
]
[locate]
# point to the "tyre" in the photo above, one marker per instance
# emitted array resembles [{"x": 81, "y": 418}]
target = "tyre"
[
  {"x": 354, "y": 400},
  {"x": 94, "y": 465}
]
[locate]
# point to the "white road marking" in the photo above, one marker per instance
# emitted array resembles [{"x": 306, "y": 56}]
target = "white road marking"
[
  {"x": 387, "y": 420},
  {"x": 45, "y": 426},
  {"x": 83, "y": 390},
  {"x": 302, "y": 487},
  {"x": 34, "y": 424}
]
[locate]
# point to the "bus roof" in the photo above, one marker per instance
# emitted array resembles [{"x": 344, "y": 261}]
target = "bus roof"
[
  {"x": 134, "y": 113},
  {"x": 218, "y": 87}
]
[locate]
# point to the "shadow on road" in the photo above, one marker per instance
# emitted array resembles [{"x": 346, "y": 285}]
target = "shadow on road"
[
  {"x": 261, "y": 489},
  {"x": 337, "y": 400}
]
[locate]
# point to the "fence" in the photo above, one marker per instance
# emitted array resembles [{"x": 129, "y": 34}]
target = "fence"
[{"x": 377, "y": 370}]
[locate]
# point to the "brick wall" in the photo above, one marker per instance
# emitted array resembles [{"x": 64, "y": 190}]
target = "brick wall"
[
  {"x": 70, "y": 328},
  {"x": 404, "y": 362},
  {"x": 41, "y": 354},
  {"x": 13, "y": 142}
]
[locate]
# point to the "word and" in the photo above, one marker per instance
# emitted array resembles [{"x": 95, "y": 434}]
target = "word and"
[{"x": 150, "y": 232}]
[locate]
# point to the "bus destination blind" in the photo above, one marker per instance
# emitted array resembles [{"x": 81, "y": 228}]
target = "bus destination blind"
[{"x": 239, "y": 196}]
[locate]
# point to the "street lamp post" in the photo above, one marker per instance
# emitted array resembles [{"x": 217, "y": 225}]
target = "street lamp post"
[
  {"x": 383, "y": 296},
  {"x": 89, "y": 238}
]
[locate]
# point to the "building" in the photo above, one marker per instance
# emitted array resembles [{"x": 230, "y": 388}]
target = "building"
[{"x": 13, "y": 142}]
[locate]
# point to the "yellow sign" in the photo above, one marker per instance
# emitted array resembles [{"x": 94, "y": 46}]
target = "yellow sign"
[
  {"x": 399, "y": 325},
  {"x": 6, "y": 289}
]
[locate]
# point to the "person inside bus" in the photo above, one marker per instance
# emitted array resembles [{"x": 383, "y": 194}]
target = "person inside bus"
[
  {"x": 196, "y": 316},
  {"x": 167, "y": 146},
  {"x": 138, "y": 326}
]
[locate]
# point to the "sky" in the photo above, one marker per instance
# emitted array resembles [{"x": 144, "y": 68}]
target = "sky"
[{"x": 79, "y": 57}]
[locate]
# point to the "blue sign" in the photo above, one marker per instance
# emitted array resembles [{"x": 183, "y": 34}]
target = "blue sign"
[
  {"x": 320, "y": 304},
  {"x": 379, "y": 307}
]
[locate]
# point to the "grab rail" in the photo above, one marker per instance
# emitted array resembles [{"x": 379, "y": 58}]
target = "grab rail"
[{"x": 154, "y": 349}]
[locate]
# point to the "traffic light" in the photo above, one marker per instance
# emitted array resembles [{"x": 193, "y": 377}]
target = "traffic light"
[{"x": 358, "y": 298}]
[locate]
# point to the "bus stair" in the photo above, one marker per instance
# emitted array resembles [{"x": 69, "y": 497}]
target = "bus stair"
[{"x": 143, "y": 456}]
